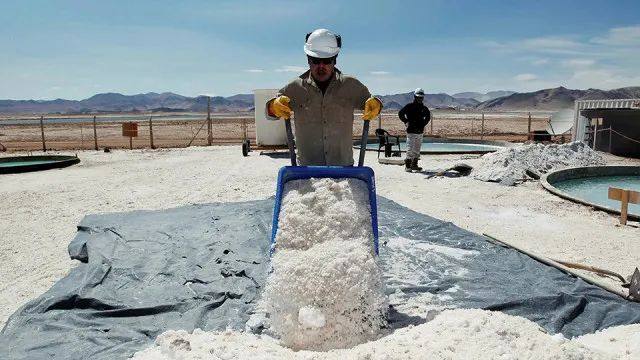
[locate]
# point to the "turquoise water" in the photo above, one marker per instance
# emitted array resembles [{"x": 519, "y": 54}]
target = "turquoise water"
[
  {"x": 444, "y": 147},
  {"x": 23, "y": 163},
  {"x": 596, "y": 189}
]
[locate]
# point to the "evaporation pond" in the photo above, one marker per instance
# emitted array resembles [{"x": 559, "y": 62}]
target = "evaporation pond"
[
  {"x": 444, "y": 147},
  {"x": 25, "y": 163},
  {"x": 596, "y": 189}
]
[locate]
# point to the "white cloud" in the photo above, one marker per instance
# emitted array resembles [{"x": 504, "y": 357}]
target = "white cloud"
[
  {"x": 602, "y": 78},
  {"x": 292, "y": 68},
  {"x": 620, "y": 36},
  {"x": 254, "y": 70},
  {"x": 540, "y": 62},
  {"x": 379, "y": 72},
  {"x": 578, "y": 63},
  {"x": 525, "y": 77},
  {"x": 549, "y": 45}
]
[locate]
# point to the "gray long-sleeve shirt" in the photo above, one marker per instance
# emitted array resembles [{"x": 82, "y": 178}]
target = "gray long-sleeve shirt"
[{"x": 324, "y": 123}]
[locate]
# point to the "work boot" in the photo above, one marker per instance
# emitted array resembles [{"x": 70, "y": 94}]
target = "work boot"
[
  {"x": 407, "y": 165},
  {"x": 414, "y": 165}
]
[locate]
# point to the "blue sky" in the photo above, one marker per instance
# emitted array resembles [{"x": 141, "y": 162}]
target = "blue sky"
[{"x": 74, "y": 49}]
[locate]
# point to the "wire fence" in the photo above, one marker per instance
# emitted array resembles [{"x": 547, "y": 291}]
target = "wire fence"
[
  {"x": 53, "y": 133},
  {"x": 169, "y": 131},
  {"x": 603, "y": 139},
  {"x": 514, "y": 126}
]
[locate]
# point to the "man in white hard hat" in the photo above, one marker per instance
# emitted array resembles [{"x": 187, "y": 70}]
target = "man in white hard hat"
[
  {"x": 415, "y": 117},
  {"x": 323, "y": 100}
]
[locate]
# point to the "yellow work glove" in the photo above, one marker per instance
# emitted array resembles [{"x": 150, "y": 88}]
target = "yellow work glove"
[
  {"x": 279, "y": 107},
  {"x": 372, "y": 108}
]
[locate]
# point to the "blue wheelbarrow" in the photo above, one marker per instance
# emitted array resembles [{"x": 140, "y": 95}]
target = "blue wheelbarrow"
[{"x": 294, "y": 172}]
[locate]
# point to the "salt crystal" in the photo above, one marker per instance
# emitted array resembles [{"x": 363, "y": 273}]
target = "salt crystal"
[{"x": 311, "y": 318}]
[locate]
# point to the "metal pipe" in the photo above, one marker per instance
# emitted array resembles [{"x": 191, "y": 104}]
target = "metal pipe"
[
  {"x": 363, "y": 142},
  {"x": 290, "y": 142}
]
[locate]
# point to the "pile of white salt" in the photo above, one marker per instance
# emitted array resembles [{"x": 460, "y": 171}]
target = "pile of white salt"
[
  {"x": 326, "y": 289},
  {"x": 453, "y": 334},
  {"x": 509, "y": 165}
]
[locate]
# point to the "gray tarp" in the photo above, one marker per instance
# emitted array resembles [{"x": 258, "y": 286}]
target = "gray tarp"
[{"x": 202, "y": 266}]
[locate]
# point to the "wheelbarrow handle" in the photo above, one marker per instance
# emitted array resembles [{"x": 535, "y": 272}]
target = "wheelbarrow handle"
[
  {"x": 290, "y": 142},
  {"x": 363, "y": 142},
  {"x": 292, "y": 150}
]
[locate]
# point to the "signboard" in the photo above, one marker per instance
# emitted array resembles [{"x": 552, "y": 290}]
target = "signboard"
[{"x": 130, "y": 129}]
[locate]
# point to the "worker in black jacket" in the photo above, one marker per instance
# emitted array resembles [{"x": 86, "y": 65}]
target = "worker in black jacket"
[{"x": 415, "y": 116}]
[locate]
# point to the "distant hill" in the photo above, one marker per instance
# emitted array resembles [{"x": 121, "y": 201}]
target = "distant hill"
[
  {"x": 547, "y": 99},
  {"x": 114, "y": 102},
  {"x": 555, "y": 99},
  {"x": 483, "y": 97},
  {"x": 433, "y": 101}
]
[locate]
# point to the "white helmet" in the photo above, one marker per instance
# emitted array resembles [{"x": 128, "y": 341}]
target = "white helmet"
[
  {"x": 322, "y": 43},
  {"x": 418, "y": 92}
]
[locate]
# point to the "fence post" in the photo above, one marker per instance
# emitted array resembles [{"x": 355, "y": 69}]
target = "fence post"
[
  {"x": 95, "y": 134},
  {"x": 151, "y": 132},
  {"x": 529, "y": 127},
  {"x": 44, "y": 147},
  {"x": 81, "y": 137},
  {"x": 482, "y": 131},
  {"x": 209, "y": 127},
  {"x": 610, "y": 139},
  {"x": 431, "y": 124},
  {"x": 595, "y": 134}
]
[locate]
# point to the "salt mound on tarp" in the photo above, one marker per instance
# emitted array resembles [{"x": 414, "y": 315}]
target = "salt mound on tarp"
[
  {"x": 454, "y": 334},
  {"x": 509, "y": 164},
  {"x": 326, "y": 290}
]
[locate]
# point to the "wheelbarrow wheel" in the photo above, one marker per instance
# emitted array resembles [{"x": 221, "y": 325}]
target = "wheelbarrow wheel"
[{"x": 245, "y": 149}]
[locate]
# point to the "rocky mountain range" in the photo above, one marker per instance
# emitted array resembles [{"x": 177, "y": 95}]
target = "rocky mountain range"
[
  {"x": 547, "y": 99},
  {"x": 397, "y": 101},
  {"x": 114, "y": 102},
  {"x": 556, "y": 98}
]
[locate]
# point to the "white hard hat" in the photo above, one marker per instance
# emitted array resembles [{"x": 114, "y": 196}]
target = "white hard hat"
[
  {"x": 322, "y": 43},
  {"x": 418, "y": 92}
]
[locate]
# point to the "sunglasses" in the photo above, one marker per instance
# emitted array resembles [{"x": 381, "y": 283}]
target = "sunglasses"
[{"x": 317, "y": 61}]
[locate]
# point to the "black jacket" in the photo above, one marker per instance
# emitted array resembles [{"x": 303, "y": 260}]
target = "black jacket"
[{"x": 416, "y": 116}]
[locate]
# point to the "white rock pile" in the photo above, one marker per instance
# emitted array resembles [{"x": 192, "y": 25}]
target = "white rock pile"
[{"x": 509, "y": 165}]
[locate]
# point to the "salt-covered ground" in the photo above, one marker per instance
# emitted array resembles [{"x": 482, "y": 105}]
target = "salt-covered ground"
[
  {"x": 454, "y": 334},
  {"x": 40, "y": 211}
]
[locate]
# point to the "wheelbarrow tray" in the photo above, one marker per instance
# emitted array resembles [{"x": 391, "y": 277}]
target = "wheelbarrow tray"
[{"x": 289, "y": 173}]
